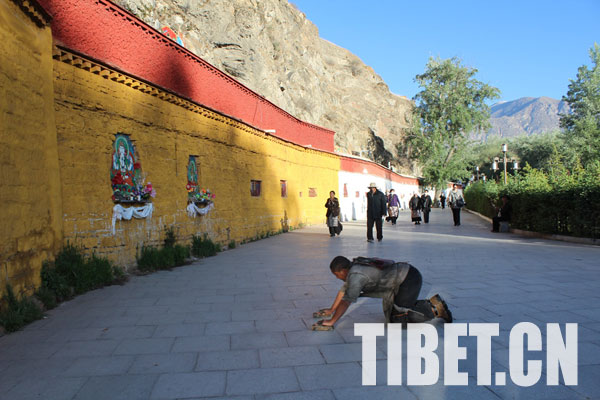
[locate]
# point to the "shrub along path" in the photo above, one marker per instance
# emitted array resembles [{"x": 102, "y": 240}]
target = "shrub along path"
[{"x": 236, "y": 325}]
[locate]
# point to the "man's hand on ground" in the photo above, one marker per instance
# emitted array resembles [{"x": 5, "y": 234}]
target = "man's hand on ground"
[
  {"x": 325, "y": 312},
  {"x": 321, "y": 326}
]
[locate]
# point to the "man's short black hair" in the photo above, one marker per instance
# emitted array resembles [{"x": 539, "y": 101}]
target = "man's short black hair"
[{"x": 339, "y": 263}]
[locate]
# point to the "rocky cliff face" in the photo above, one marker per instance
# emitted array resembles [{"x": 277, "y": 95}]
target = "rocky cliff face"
[{"x": 272, "y": 48}]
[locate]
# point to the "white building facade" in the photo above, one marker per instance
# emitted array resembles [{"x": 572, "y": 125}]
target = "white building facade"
[{"x": 357, "y": 174}]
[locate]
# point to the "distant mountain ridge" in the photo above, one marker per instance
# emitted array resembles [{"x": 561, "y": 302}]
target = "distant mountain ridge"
[{"x": 524, "y": 116}]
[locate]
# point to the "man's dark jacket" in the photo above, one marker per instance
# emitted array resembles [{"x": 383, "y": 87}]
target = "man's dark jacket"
[
  {"x": 376, "y": 205},
  {"x": 426, "y": 202}
]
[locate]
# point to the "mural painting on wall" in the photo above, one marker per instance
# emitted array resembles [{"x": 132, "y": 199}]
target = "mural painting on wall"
[
  {"x": 128, "y": 182},
  {"x": 200, "y": 201},
  {"x": 170, "y": 33},
  {"x": 127, "y": 179}
]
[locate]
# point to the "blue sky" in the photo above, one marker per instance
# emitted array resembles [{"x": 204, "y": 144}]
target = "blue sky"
[{"x": 524, "y": 48}]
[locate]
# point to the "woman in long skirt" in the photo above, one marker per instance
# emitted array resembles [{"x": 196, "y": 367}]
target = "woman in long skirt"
[
  {"x": 415, "y": 209},
  {"x": 393, "y": 206},
  {"x": 333, "y": 214}
]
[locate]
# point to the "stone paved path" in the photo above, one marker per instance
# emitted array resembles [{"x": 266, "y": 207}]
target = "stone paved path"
[{"x": 235, "y": 325}]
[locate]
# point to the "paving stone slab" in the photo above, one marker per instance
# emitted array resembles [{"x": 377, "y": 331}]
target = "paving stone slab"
[
  {"x": 258, "y": 340},
  {"x": 189, "y": 308},
  {"x": 153, "y": 320},
  {"x": 33, "y": 369},
  {"x": 227, "y": 360},
  {"x": 308, "y": 395},
  {"x": 181, "y": 300},
  {"x": 97, "y": 366},
  {"x": 206, "y": 316},
  {"x": 67, "y": 335},
  {"x": 280, "y": 325},
  {"x": 347, "y": 352},
  {"x": 124, "y": 387},
  {"x": 375, "y": 392},
  {"x": 179, "y": 330},
  {"x": 441, "y": 391},
  {"x": 87, "y": 348},
  {"x": 28, "y": 351},
  {"x": 222, "y": 398},
  {"x": 201, "y": 344},
  {"x": 290, "y": 356},
  {"x": 539, "y": 391},
  {"x": 47, "y": 389},
  {"x": 257, "y": 381},
  {"x": 229, "y": 328},
  {"x": 329, "y": 376},
  {"x": 304, "y": 338},
  {"x": 254, "y": 298},
  {"x": 163, "y": 363},
  {"x": 105, "y": 322},
  {"x": 189, "y": 385},
  {"x": 145, "y": 346},
  {"x": 214, "y": 299},
  {"x": 128, "y": 332},
  {"x": 588, "y": 381}
]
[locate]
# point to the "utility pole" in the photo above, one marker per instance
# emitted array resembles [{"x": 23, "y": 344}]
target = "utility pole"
[{"x": 504, "y": 151}]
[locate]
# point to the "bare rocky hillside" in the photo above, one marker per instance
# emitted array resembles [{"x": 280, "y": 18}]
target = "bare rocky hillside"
[
  {"x": 272, "y": 48},
  {"x": 525, "y": 116}
]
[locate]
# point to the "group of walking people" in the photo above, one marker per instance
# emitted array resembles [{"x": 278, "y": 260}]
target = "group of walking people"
[
  {"x": 420, "y": 205},
  {"x": 379, "y": 206}
]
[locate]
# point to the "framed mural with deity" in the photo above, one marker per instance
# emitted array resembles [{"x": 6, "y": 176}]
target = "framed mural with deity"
[
  {"x": 126, "y": 176},
  {"x": 192, "y": 178},
  {"x": 200, "y": 201}
]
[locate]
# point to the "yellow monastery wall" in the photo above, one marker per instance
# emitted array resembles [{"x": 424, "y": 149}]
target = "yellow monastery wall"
[
  {"x": 91, "y": 108},
  {"x": 30, "y": 203}
]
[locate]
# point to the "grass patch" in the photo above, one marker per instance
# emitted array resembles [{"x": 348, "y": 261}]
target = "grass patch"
[
  {"x": 72, "y": 273},
  {"x": 16, "y": 313},
  {"x": 171, "y": 255},
  {"x": 203, "y": 246},
  {"x": 231, "y": 245}
]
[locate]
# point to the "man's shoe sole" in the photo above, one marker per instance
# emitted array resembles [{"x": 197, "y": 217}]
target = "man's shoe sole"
[{"x": 440, "y": 308}]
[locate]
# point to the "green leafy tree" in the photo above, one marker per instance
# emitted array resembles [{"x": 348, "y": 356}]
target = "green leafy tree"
[
  {"x": 451, "y": 105},
  {"x": 582, "y": 123}
]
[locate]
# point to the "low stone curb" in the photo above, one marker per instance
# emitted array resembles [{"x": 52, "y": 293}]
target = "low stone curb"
[{"x": 562, "y": 238}]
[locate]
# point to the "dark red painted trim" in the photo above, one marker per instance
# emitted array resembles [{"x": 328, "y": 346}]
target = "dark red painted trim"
[{"x": 106, "y": 32}]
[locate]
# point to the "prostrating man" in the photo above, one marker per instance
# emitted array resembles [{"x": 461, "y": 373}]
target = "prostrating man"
[
  {"x": 376, "y": 209},
  {"x": 397, "y": 283}
]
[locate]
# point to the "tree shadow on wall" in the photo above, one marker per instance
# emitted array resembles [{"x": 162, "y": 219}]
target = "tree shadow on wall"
[{"x": 228, "y": 158}]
